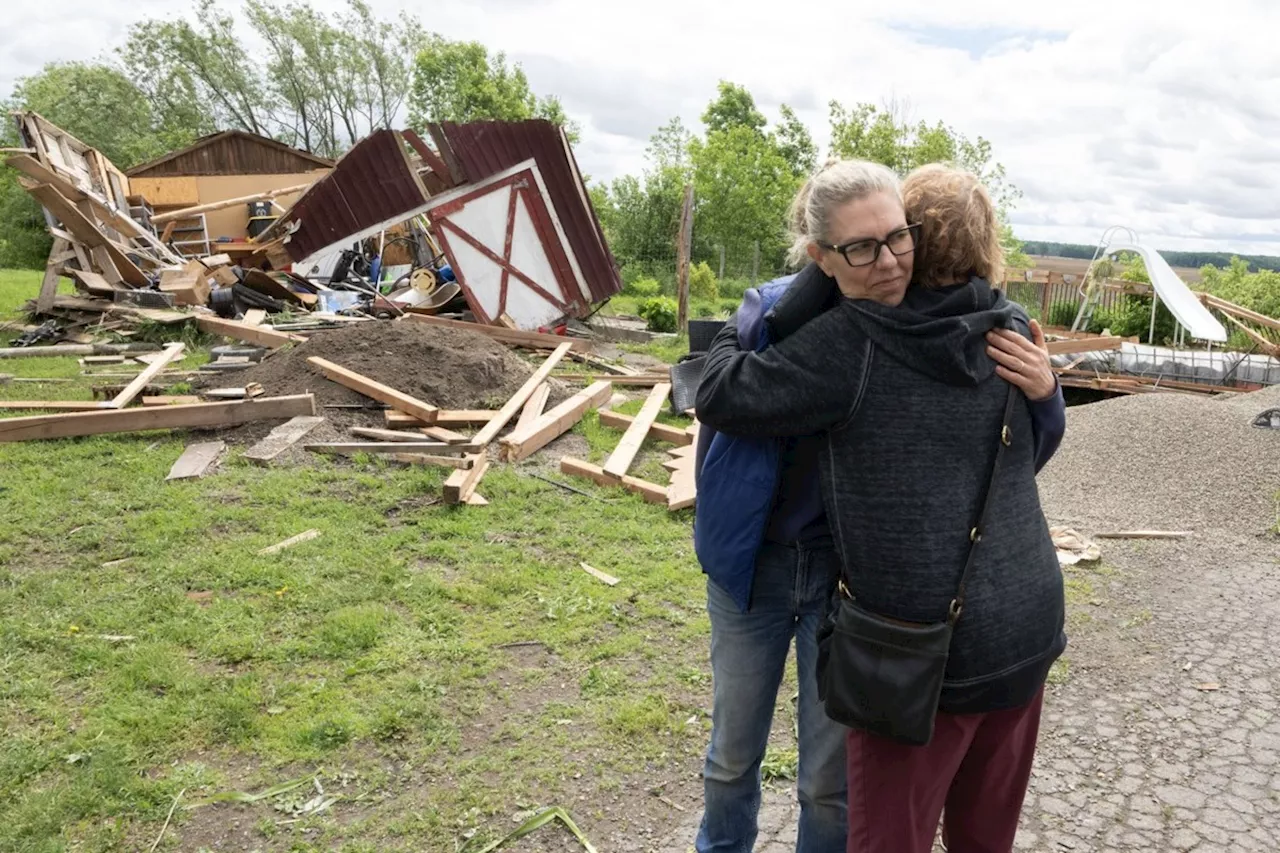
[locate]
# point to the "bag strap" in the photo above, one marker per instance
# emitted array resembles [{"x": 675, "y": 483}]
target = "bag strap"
[{"x": 975, "y": 533}]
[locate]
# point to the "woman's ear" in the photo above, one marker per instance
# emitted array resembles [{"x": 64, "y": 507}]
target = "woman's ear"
[{"x": 815, "y": 255}]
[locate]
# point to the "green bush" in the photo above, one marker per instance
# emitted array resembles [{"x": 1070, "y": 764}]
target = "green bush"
[
  {"x": 733, "y": 288},
  {"x": 659, "y": 313},
  {"x": 1130, "y": 316},
  {"x": 702, "y": 283},
  {"x": 644, "y": 288},
  {"x": 1062, "y": 313}
]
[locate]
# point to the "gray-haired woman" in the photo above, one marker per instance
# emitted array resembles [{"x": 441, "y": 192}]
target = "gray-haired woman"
[{"x": 812, "y": 397}]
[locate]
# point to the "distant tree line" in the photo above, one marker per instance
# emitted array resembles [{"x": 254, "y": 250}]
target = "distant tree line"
[{"x": 1174, "y": 259}]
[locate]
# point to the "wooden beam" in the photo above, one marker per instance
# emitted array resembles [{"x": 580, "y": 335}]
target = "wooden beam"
[
  {"x": 160, "y": 417},
  {"x": 389, "y": 435},
  {"x": 1144, "y": 534},
  {"x": 1098, "y": 344},
  {"x": 258, "y": 335},
  {"x": 517, "y": 401},
  {"x": 171, "y": 353},
  {"x": 424, "y": 412},
  {"x": 255, "y": 317},
  {"x": 1267, "y": 346},
  {"x": 49, "y": 285},
  {"x": 514, "y": 337},
  {"x": 642, "y": 381},
  {"x": 524, "y": 443},
  {"x": 87, "y": 231},
  {"x": 455, "y": 462},
  {"x": 281, "y": 439},
  {"x": 651, "y": 492},
  {"x": 446, "y": 417},
  {"x": 195, "y": 460},
  {"x": 188, "y": 212},
  {"x": 619, "y": 462},
  {"x": 534, "y": 407},
  {"x": 436, "y": 447},
  {"x": 448, "y": 436},
  {"x": 53, "y": 405},
  {"x": 675, "y": 435},
  {"x": 172, "y": 400},
  {"x": 461, "y": 484},
  {"x": 1240, "y": 311},
  {"x": 606, "y": 366}
]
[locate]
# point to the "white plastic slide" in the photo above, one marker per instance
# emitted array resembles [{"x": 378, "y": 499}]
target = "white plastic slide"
[{"x": 1182, "y": 303}]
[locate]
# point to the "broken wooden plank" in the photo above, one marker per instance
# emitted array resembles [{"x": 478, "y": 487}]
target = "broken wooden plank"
[
  {"x": 159, "y": 417},
  {"x": 448, "y": 436},
  {"x": 1098, "y": 344},
  {"x": 606, "y": 366},
  {"x": 532, "y": 340},
  {"x": 461, "y": 484},
  {"x": 281, "y": 439},
  {"x": 255, "y": 317},
  {"x": 86, "y": 231},
  {"x": 644, "y": 380},
  {"x": 95, "y": 283},
  {"x": 86, "y": 350},
  {"x": 619, "y": 462},
  {"x": 466, "y": 462},
  {"x": 54, "y": 405},
  {"x": 424, "y": 412},
  {"x": 259, "y": 335},
  {"x": 599, "y": 575},
  {"x": 188, "y": 212},
  {"x": 534, "y": 407},
  {"x": 445, "y": 417},
  {"x": 490, "y": 430},
  {"x": 651, "y": 492},
  {"x": 389, "y": 435},
  {"x": 437, "y": 447},
  {"x": 522, "y": 444},
  {"x": 1144, "y": 534},
  {"x": 195, "y": 460},
  {"x": 143, "y": 379},
  {"x": 674, "y": 435},
  {"x": 477, "y": 499},
  {"x": 304, "y": 536},
  {"x": 171, "y": 400}
]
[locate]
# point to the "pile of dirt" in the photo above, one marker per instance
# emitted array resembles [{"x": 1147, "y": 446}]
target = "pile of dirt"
[
  {"x": 1167, "y": 461},
  {"x": 448, "y": 368}
]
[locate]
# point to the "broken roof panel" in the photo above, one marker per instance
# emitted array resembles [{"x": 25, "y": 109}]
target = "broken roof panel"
[{"x": 482, "y": 149}]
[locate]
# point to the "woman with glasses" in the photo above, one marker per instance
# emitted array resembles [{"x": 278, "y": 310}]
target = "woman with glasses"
[{"x": 847, "y": 419}]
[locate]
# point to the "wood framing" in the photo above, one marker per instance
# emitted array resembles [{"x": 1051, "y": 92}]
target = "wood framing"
[
  {"x": 619, "y": 462},
  {"x": 522, "y": 444},
  {"x": 171, "y": 353},
  {"x": 674, "y": 435},
  {"x": 159, "y": 417},
  {"x": 257, "y": 335},
  {"x": 424, "y": 412},
  {"x": 651, "y": 492},
  {"x": 517, "y": 401}
]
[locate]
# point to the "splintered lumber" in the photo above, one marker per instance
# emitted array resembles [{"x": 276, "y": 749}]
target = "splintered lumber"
[
  {"x": 281, "y": 439},
  {"x": 522, "y": 444},
  {"x": 255, "y": 317},
  {"x": 599, "y": 575},
  {"x": 54, "y": 405},
  {"x": 445, "y": 417},
  {"x": 195, "y": 460},
  {"x": 461, "y": 484},
  {"x": 1105, "y": 342},
  {"x": 448, "y": 436},
  {"x": 490, "y": 430},
  {"x": 188, "y": 212},
  {"x": 606, "y": 366},
  {"x": 87, "y": 232},
  {"x": 662, "y": 432},
  {"x": 305, "y": 536},
  {"x": 159, "y": 417},
  {"x": 513, "y": 337},
  {"x": 1230, "y": 308},
  {"x": 619, "y": 462},
  {"x": 143, "y": 379},
  {"x": 467, "y": 462},
  {"x": 424, "y": 412},
  {"x": 249, "y": 334},
  {"x": 651, "y": 492},
  {"x": 95, "y": 283},
  {"x": 437, "y": 447},
  {"x": 683, "y": 491},
  {"x": 87, "y": 350},
  {"x": 533, "y": 408}
]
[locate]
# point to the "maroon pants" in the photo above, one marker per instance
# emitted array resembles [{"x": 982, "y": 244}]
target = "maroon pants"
[{"x": 977, "y": 766}]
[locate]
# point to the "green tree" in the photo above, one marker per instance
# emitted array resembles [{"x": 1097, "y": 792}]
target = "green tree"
[
  {"x": 460, "y": 81},
  {"x": 795, "y": 143},
  {"x": 1257, "y": 291},
  {"x": 733, "y": 107}
]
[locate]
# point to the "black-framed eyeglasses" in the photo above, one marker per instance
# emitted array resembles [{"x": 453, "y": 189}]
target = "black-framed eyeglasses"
[{"x": 861, "y": 253}]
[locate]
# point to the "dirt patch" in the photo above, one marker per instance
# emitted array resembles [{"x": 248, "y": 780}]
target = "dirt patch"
[{"x": 448, "y": 368}]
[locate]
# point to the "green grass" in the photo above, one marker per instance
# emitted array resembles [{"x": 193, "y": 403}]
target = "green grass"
[{"x": 439, "y": 668}]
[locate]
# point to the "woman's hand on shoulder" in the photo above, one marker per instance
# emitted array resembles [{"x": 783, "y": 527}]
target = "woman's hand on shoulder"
[{"x": 1025, "y": 363}]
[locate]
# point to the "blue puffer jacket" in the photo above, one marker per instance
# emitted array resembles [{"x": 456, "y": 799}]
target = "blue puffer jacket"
[{"x": 738, "y": 477}]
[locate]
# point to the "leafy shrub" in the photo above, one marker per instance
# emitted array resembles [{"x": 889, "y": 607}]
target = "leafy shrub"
[
  {"x": 733, "y": 288},
  {"x": 632, "y": 272},
  {"x": 1063, "y": 313},
  {"x": 702, "y": 283},
  {"x": 659, "y": 313},
  {"x": 1131, "y": 316},
  {"x": 644, "y": 288}
]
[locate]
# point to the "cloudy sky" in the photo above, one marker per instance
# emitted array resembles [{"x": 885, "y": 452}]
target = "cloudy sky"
[{"x": 1167, "y": 122}]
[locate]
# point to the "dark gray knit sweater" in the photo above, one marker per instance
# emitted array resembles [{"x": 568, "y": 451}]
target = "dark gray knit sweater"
[{"x": 911, "y": 409}]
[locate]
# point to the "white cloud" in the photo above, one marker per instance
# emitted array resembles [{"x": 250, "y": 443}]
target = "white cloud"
[{"x": 1102, "y": 113}]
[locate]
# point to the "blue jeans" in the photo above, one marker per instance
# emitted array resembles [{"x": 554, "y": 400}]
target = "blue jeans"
[{"x": 790, "y": 597}]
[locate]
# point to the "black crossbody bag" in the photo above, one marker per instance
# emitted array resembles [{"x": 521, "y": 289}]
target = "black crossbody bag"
[{"x": 882, "y": 675}]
